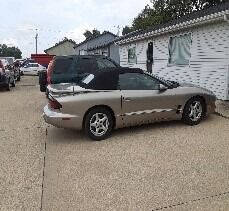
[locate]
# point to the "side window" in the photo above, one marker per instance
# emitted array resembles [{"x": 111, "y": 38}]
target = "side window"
[
  {"x": 85, "y": 65},
  {"x": 180, "y": 50},
  {"x": 105, "y": 63},
  {"x": 63, "y": 65},
  {"x": 132, "y": 58},
  {"x": 137, "y": 81}
]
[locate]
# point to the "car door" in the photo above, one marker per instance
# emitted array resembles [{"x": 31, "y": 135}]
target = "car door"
[
  {"x": 27, "y": 68},
  {"x": 35, "y": 68},
  {"x": 142, "y": 100}
]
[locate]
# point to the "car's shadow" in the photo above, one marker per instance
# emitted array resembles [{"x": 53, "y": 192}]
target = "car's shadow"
[{"x": 66, "y": 136}]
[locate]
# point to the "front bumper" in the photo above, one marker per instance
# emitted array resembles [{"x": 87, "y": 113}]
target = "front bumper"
[{"x": 60, "y": 120}]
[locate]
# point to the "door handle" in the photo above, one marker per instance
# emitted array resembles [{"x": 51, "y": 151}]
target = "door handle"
[{"x": 127, "y": 99}]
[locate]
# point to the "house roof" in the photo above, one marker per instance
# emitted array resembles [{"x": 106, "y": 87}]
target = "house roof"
[
  {"x": 192, "y": 16},
  {"x": 92, "y": 38},
  {"x": 103, "y": 45},
  {"x": 60, "y": 43}
]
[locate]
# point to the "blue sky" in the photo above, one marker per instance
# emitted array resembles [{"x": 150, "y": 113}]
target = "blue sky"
[{"x": 56, "y": 19}]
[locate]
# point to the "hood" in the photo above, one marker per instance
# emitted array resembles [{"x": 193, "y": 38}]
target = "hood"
[{"x": 198, "y": 87}]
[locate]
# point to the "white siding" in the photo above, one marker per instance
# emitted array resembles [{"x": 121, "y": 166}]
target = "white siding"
[{"x": 209, "y": 64}]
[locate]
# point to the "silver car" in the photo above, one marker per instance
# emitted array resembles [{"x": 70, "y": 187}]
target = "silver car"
[{"x": 123, "y": 97}]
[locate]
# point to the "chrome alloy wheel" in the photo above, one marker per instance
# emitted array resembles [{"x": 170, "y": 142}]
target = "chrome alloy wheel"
[
  {"x": 99, "y": 124},
  {"x": 195, "y": 111}
]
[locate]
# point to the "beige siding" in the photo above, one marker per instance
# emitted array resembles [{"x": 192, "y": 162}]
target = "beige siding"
[
  {"x": 63, "y": 49},
  {"x": 209, "y": 64}
]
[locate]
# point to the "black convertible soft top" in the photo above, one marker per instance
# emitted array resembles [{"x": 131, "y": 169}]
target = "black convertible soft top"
[{"x": 107, "y": 79}]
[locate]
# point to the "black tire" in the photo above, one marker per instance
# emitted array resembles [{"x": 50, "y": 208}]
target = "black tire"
[
  {"x": 188, "y": 117},
  {"x": 8, "y": 86},
  {"x": 42, "y": 88},
  {"x": 108, "y": 123}
]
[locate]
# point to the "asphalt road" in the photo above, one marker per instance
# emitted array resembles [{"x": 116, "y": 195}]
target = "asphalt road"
[{"x": 163, "y": 166}]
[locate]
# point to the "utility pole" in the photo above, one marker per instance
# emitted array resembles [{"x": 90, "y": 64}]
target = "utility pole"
[{"x": 36, "y": 37}]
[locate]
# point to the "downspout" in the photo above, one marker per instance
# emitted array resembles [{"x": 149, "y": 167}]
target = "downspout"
[{"x": 226, "y": 18}]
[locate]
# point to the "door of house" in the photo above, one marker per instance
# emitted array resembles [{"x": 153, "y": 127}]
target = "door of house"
[{"x": 149, "y": 62}]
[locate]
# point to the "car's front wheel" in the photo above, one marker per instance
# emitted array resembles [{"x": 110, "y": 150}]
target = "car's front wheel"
[
  {"x": 99, "y": 123},
  {"x": 8, "y": 86},
  {"x": 194, "y": 111}
]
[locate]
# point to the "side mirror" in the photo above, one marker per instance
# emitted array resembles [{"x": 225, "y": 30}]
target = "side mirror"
[{"x": 162, "y": 87}]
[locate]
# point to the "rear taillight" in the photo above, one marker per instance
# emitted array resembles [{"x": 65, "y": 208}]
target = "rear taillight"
[
  {"x": 49, "y": 71},
  {"x": 55, "y": 104}
]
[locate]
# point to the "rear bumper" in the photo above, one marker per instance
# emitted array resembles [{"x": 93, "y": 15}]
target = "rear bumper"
[
  {"x": 60, "y": 120},
  {"x": 30, "y": 73},
  {"x": 3, "y": 81}
]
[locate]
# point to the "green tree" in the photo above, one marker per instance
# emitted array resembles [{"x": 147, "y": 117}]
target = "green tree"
[
  {"x": 162, "y": 11},
  {"x": 6, "y": 51},
  {"x": 126, "y": 30},
  {"x": 88, "y": 34}
]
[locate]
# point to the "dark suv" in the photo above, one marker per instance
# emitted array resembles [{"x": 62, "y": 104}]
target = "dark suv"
[
  {"x": 71, "y": 69},
  {"x": 6, "y": 76}
]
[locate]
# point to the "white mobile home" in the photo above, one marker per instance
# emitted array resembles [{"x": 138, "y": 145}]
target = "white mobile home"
[{"x": 193, "y": 49}]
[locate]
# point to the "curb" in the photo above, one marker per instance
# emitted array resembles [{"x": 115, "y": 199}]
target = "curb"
[{"x": 221, "y": 115}]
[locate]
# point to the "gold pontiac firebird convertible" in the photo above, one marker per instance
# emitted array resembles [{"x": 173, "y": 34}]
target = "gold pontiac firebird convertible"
[{"x": 123, "y": 97}]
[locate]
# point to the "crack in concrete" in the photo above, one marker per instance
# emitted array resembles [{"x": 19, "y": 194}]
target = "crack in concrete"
[
  {"x": 25, "y": 128},
  {"x": 191, "y": 201},
  {"x": 27, "y": 85},
  {"x": 221, "y": 115},
  {"x": 43, "y": 175}
]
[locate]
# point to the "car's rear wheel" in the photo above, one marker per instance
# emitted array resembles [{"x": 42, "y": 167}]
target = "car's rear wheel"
[
  {"x": 194, "y": 111},
  {"x": 42, "y": 88},
  {"x": 99, "y": 123}
]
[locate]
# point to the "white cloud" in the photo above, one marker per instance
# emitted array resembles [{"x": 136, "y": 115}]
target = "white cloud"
[
  {"x": 10, "y": 42},
  {"x": 77, "y": 33},
  {"x": 56, "y": 19}
]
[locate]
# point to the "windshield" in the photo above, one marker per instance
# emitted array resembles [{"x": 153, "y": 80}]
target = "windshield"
[{"x": 170, "y": 84}]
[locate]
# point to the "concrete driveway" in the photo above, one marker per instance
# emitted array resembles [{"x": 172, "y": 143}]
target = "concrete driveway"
[{"x": 164, "y": 166}]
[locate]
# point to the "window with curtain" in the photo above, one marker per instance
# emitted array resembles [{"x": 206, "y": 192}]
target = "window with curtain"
[
  {"x": 132, "y": 58},
  {"x": 180, "y": 49}
]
